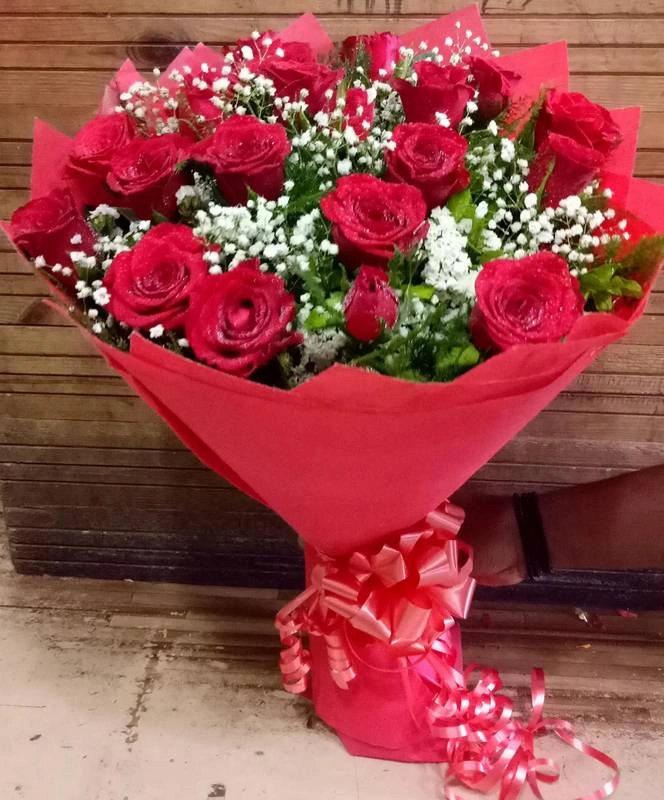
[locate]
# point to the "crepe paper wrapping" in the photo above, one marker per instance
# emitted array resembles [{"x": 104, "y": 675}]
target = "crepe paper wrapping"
[{"x": 350, "y": 456}]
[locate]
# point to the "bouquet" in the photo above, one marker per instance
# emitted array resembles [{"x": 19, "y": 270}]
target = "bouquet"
[{"x": 317, "y": 264}]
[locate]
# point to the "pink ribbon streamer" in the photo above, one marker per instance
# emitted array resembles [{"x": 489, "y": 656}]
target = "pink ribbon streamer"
[{"x": 407, "y": 594}]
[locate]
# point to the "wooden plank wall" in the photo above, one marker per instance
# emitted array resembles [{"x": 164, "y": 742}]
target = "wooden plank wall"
[{"x": 93, "y": 482}]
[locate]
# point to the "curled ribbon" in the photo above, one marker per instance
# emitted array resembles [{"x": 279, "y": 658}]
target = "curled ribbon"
[
  {"x": 405, "y": 594},
  {"x": 487, "y": 748}
]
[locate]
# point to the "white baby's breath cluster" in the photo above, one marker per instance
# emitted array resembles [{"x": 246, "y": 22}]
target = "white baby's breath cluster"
[
  {"x": 454, "y": 51},
  {"x": 319, "y": 350},
  {"x": 448, "y": 267},
  {"x": 260, "y": 230},
  {"x": 256, "y": 230}
]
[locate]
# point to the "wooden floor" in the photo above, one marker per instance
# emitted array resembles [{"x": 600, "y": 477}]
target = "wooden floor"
[{"x": 137, "y": 691}]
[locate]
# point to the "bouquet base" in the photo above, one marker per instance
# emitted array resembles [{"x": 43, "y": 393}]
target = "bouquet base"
[{"x": 382, "y": 713}]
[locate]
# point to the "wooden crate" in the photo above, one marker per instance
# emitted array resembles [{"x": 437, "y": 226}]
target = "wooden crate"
[{"x": 93, "y": 483}]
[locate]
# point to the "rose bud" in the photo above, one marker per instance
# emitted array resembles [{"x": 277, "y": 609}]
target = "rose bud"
[
  {"x": 142, "y": 174},
  {"x": 430, "y": 157},
  {"x": 571, "y": 114},
  {"x": 495, "y": 86},
  {"x": 382, "y": 50},
  {"x": 246, "y": 153},
  {"x": 372, "y": 218},
  {"x": 574, "y": 168},
  {"x": 530, "y": 300},
  {"x": 358, "y": 111},
  {"x": 443, "y": 90},
  {"x": 370, "y": 303},
  {"x": 46, "y": 226},
  {"x": 90, "y": 157},
  {"x": 240, "y": 320},
  {"x": 151, "y": 284}
]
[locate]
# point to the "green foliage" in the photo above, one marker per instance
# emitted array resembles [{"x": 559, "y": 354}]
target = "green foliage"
[
  {"x": 526, "y": 139},
  {"x": 327, "y": 315},
  {"x": 462, "y": 206},
  {"x": 432, "y": 350},
  {"x": 602, "y": 285},
  {"x": 645, "y": 258}
]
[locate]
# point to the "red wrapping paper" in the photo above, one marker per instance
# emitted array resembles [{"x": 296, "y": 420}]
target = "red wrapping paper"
[{"x": 350, "y": 456}]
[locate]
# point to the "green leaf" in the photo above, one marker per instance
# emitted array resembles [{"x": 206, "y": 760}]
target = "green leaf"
[
  {"x": 458, "y": 359},
  {"x": 461, "y": 205},
  {"x": 422, "y": 291},
  {"x": 526, "y": 138},
  {"x": 158, "y": 218},
  {"x": 317, "y": 320},
  {"x": 645, "y": 258},
  {"x": 601, "y": 285},
  {"x": 396, "y": 269}
]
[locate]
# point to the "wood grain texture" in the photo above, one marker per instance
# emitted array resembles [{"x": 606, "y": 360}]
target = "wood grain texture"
[{"x": 94, "y": 483}]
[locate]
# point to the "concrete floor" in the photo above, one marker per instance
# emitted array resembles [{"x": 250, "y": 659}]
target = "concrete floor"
[{"x": 120, "y": 691}]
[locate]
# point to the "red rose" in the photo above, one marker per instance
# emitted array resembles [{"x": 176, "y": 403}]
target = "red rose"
[
  {"x": 358, "y": 111},
  {"x": 151, "y": 284},
  {"x": 45, "y": 227},
  {"x": 530, "y": 300},
  {"x": 246, "y": 153},
  {"x": 495, "y": 86},
  {"x": 239, "y": 320},
  {"x": 371, "y": 218},
  {"x": 382, "y": 50},
  {"x": 143, "y": 174},
  {"x": 442, "y": 90},
  {"x": 370, "y": 301},
  {"x": 572, "y": 114},
  {"x": 574, "y": 168},
  {"x": 90, "y": 157},
  {"x": 430, "y": 157},
  {"x": 290, "y": 77}
]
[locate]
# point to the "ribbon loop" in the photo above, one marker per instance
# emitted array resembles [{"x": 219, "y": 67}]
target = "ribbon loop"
[{"x": 407, "y": 594}]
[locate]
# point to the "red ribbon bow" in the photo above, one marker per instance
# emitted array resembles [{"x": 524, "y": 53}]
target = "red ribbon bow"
[{"x": 406, "y": 594}]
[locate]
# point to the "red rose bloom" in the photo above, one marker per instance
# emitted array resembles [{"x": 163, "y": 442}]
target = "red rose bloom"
[
  {"x": 370, "y": 301},
  {"x": 382, "y": 50},
  {"x": 239, "y": 320},
  {"x": 438, "y": 90},
  {"x": 290, "y": 77},
  {"x": 45, "y": 227},
  {"x": 358, "y": 111},
  {"x": 430, "y": 157},
  {"x": 90, "y": 157},
  {"x": 246, "y": 153},
  {"x": 530, "y": 300},
  {"x": 143, "y": 174},
  {"x": 571, "y": 114},
  {"x": 371, "y": 218},
  {"x": 495, "y": 86},
  {"x": 574, "y": 168},
  {"x": 151, "y": 284}
]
